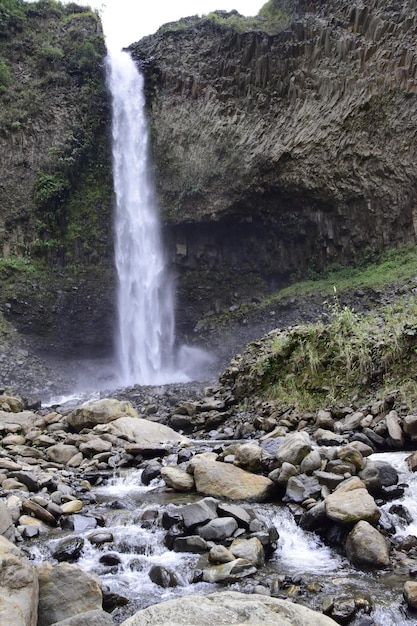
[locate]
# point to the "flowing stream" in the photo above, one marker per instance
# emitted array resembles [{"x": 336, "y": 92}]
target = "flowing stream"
[{"x": 300, "y": 556}]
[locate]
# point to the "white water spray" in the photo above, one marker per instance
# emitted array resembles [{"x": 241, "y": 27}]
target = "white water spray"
[{"x": 145, "y": 294}]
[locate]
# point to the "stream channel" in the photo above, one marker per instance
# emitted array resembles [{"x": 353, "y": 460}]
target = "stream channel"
[{"x": 313, "y": 569}]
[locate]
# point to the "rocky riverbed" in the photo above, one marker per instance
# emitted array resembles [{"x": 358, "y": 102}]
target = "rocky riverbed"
[{"x": 224, "y": 457}]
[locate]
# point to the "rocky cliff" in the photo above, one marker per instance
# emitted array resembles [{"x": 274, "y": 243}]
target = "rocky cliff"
[
  {"x": 56, "y": 184},
  {"x": 282, "y": 145},
  {"x": 282, "y": 152}
]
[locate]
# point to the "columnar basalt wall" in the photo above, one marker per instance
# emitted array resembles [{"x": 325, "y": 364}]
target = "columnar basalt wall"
[{"x": 289, "y": 151}]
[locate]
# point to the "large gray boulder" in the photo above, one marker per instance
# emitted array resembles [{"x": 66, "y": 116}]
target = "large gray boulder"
[
  {"x": 101, "y": 411},
  {"x": 91, "y": 618},
  {"x": 66, "y": 590},
  {"x": 349, "y": 507},
  {"x": 365, "y": 546},
  {"x": 223, "y": 480},
  {"x": 228, "y": 607},
  {"x": 136, "y": 429},
  {"x": 294, "y": 448},
  {"x": 18, "y": 587}
]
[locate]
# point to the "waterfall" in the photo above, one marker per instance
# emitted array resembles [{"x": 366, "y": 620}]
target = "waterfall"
[{"x": 145, "y": 300}]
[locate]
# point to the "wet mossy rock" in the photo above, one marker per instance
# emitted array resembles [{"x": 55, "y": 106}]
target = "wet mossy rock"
[{"x": 288, "y": 148}]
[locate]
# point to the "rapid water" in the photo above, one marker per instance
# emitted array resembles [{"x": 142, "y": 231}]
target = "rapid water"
[
  {"x": 300, "y": 555},
  {"x": 145, "y": 300}
]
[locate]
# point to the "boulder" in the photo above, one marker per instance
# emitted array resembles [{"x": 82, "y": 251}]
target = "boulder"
[
  {"x": 65, "y": 591},
  {"x": 218, "y": 529},
  {"x": 228, "y": 607},
  {"x": 25, "y": 420},
  {"x": 228, "y": 572},
  {"x": 14, "y": 403},
  {"x": 95, "y": 445},
  {"x": 365, "y": 546},
  {"x": 61, "y": 453},
  {"x": 249, "y": 549},
  {"x": 248, "y": 456},
  {"x": 101, "y": 411},
  {"x": 299, "y": 488},
  {"x": 410, "y": 593},
  {"x": 410, "y": 426},
  {"x": 18, "y": 587},
  {"x": 220, "y": 554},
  {"x": 227, "y": 481},
  {"x": 136, "y": 429},
  {"x": 198, "y": 513},
  {"x": 311, "y": 462},
  {"x": 177, "y": 478},
  {"x": 92, "y": 618},
  {"x": 349, "y": 507},
  {"x": 7, "y": 529},
  {"x": 193, "y": 544},
  {"x": 294, "y": 448},
  {"x": 395, "y": 432}
]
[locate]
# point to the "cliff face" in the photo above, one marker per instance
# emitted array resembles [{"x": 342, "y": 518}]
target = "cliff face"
[
  {"x": 284, "y": 152},
  {"x": 55, "y": 174}
]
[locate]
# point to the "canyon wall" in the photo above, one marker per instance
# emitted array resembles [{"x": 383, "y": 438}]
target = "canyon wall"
[{"x": 280, "y": 153}]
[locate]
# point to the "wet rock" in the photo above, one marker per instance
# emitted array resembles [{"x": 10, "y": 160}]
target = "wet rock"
[
  {"x": 228, "y": 572},
  {"x": 110, "y": 559},
  {"x": 198, "y": 513},
  {"x": 79, "y": 523},
  {"x": 18, "y": 587},
  {"x": 177, "y": 479},
  {"x": 227, "y": 481},
  {"x": 218, "y": 529},
  {"x": 366, "y": 547},
  {"x": 412, "y": 462},
  {"x": 69, "y": 549},
  {"x": 220, "y": 554},
  {"x": 193, "y": 543},
  {"x": 152, "y": 470},
  {"x": 163, "y": 576},
  {"x": 100, "y": 538}
]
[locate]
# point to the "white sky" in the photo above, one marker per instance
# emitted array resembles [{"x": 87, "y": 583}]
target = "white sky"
[{"x": 127, "y": 21}]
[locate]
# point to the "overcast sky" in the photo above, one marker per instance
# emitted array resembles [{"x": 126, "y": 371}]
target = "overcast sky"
[{"x": 126, "y": 21}]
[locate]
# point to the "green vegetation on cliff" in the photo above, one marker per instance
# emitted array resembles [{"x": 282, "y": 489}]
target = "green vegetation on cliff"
[
  {"x": 345, "y": 356},
  {"x": 54, "y": 118}
]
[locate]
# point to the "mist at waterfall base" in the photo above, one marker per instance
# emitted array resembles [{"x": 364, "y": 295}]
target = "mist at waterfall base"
[{"x": 145, "y": 297}]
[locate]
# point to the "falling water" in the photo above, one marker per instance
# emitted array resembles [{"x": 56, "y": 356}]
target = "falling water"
[{"x": 145, "y": 294}]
